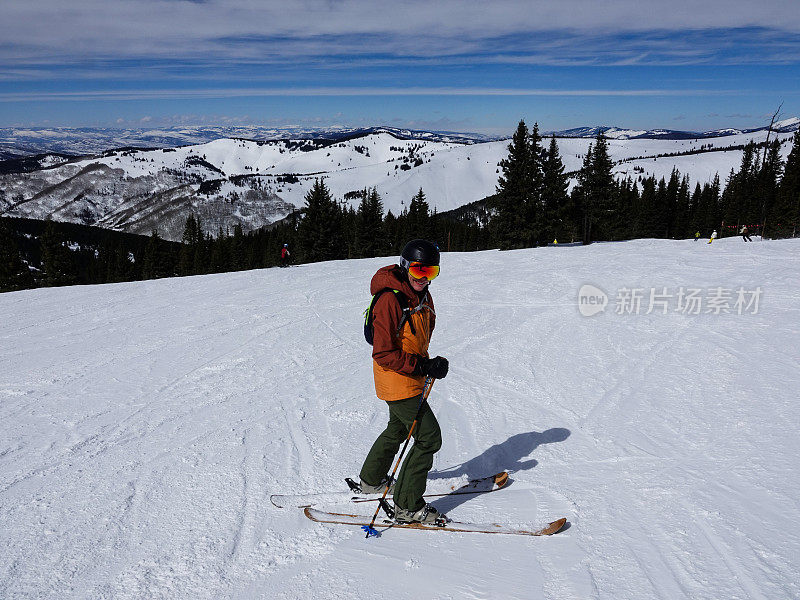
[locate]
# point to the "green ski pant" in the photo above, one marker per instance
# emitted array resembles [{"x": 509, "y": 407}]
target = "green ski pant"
[{"x": 412, "y": 479}]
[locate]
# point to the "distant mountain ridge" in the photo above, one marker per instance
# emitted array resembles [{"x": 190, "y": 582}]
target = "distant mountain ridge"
[
  {"x": 21, "y": 142},
  {"x": 617, "y": 133}
]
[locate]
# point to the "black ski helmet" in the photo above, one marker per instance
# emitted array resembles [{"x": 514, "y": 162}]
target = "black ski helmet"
[{"x": 421, "y": 251}]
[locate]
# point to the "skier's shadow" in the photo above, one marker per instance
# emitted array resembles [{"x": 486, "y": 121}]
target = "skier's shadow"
[{"x": 506, "y": 456}]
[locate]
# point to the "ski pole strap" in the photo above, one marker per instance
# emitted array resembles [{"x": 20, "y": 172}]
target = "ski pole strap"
[{"x": 425, "y": 391}]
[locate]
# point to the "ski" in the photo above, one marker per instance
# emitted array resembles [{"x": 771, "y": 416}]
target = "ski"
[
  {"x": 474, "y": 486},
  {"x": 453, "y": 526}
]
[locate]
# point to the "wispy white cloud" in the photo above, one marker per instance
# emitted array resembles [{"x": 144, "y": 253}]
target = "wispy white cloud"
[
  {"x": 170, "y": 94},
  {"x": 151, "y": 20},
  {"x": 110, "y": 54},
  {"x": 539, "y": 31}
]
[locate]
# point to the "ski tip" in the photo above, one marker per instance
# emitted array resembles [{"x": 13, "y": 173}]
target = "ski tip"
[
  {"x": 371, "y": 531},
  {"x": 555, "y": 526},
  {"x": 501, "y": 479}
]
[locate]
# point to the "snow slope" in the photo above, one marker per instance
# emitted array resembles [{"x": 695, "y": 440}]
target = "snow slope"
[{"x": 146, "y": 424}]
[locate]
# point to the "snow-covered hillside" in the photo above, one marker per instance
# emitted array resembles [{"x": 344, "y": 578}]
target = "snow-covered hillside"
[
  {"x": 230, "y": 181},
  {"x": 26, "y": 141},
  {"x": 146, "y": 424}
]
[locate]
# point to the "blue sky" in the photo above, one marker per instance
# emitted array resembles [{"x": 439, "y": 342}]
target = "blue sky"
[{"x": 448, "y": 65}]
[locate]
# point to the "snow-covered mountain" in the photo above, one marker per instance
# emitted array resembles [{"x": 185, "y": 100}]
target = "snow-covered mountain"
[
  {"x": 145, "y": 425},
  {"x": 17, "y": 142},
  {"x": 20, "y": 142},
  {"x": 254, "y": 183}
]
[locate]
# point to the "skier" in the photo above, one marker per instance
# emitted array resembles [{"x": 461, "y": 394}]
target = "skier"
[
  {"x": 696, "y": 236},
  {"x": 713, "y": 236},
  {"x": 285, "y": 255},
  {"x": 400, "y": 365},
  {"x": 743, "y": 232}
]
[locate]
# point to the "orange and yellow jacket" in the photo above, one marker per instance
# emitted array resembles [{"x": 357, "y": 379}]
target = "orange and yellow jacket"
[{"x": 394, "y": 352}]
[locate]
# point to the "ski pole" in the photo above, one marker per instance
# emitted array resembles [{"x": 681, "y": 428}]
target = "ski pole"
[{"x": 371, "y": 531}]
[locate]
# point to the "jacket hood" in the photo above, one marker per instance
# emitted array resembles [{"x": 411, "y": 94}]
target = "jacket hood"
[{"x": 395, "y": 278}]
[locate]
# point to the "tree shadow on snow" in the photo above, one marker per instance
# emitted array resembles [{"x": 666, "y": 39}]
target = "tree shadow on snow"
[{"x": 506, "y": 456}]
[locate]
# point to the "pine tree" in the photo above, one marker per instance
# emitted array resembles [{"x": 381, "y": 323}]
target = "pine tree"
[
  {"x": 595, "y": 195},
  {"x": 602, "y": 189},
  {"x": 349, "y": 226},
  {"x": 626, "y": 201},
  {"x": 668, "y": 204},
  {"x": 370, "y": 239},
  {"x": 647, "y": 213},
  {"x": 581, "y": 197},
  {"x": 709, "y": 208},
  {"x": 418, "y": 218},
  {"x": 695, "y": 207},
  {"x": 682, "y": 210},
  {"x": 534, "y": 208},
  {"x": 768, "y": 181},
  {"x": 189, "y": 242},
  {"x": 713, "y": 201},
  {"x": 319, "y": 231},
  {"x": 785, "y": 219},
  {"x": 513, "y": 186},
  {"x": 554, "y": 194},
  {"x": 737, "y": 199}
]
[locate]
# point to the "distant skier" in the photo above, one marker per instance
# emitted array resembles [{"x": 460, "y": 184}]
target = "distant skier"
[
  {"x": 400, "y": 365},
  {"x": 285, "y": 255},
  {"x": 696, "y": 236},
  {"x": 713, "y": 236},
  {"x": 743, "y": 232}
]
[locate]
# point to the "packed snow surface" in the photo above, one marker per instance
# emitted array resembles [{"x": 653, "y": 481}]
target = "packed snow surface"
[{"x": 145, "y": 425}]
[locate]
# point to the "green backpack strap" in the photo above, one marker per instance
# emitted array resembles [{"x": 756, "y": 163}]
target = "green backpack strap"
[{"x": 369, "y": 331}]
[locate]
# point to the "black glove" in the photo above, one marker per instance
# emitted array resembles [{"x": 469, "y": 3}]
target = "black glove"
[{"x": 433, "y": 367}]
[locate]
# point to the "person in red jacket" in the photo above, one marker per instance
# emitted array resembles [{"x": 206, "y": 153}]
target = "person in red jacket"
[
  {"x": 285, "y": 255},
  {"x": 400, "y": 365}
]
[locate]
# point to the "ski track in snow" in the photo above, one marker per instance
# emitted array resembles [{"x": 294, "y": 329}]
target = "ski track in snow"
[{"x": 146, "y": 424}]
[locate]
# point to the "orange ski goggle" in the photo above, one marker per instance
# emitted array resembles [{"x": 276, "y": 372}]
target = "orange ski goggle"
[{"x": 419, "y": 271}]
